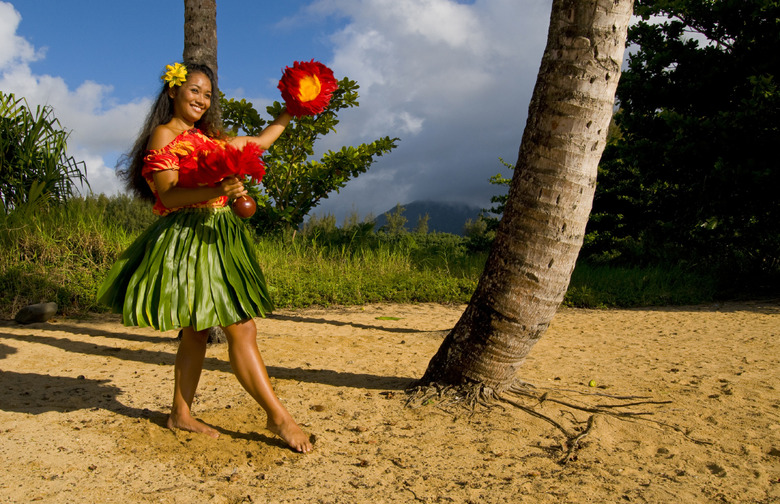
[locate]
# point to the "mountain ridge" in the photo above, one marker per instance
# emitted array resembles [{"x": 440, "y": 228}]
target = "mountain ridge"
[{"x": 444, "y": 216}]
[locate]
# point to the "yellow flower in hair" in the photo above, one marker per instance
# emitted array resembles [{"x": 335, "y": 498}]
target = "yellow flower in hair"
[{"x": 175, "y": 75}]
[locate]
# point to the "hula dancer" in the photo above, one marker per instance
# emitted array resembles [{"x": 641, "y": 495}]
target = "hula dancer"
[{"x": 196, "y": 266}]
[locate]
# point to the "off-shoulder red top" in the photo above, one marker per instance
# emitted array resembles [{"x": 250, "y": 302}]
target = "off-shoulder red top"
[{"x": 182, "y": 155}]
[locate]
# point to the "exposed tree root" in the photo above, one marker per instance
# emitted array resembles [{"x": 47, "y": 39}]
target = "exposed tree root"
[{"x": 473, "y": 395}]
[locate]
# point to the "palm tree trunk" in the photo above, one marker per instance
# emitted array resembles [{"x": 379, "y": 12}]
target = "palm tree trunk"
[
  {"x": 200, "y": 37},
  {"x": 550, "y": 197},
  {"x": 200, "y": 32}
]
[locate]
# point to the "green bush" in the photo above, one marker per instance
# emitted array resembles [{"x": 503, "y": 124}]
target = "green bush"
[{"x": 35, "y": 169}]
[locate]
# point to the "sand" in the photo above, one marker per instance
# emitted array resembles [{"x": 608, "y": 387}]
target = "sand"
[{"x": 83, "y": 405}]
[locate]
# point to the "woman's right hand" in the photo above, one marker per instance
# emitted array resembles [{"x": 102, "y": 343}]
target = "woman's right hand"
[{"x": 232, "y": 187}]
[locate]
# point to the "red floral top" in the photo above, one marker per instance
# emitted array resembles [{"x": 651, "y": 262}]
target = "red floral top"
[{"x": 181, "y": 155}]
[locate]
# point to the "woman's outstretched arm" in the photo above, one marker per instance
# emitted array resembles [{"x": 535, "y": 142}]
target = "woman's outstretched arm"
[{"x": 268, "y": 135}]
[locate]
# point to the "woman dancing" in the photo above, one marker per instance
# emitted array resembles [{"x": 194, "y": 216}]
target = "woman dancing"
[{"x": 196, "y": 266}]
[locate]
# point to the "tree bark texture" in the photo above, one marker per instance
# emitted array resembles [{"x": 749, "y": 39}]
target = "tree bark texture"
[
  {"x": 200, "y": 32},
  {"x": 200, "y": 37},
  {"x": 550, "y": 197}
]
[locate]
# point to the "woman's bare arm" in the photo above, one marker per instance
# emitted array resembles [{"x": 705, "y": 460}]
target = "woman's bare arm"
[
  {"x": 268, "y": 135},
  {"x": 173, "y": 196}
]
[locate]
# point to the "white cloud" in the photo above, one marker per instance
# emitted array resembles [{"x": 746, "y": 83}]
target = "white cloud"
[
  {"x": 13, "y": 49},
  {"x": 452, "y": 80},
  {"x": 98, "y": 128},
  {"x": 101, "y": 178}
]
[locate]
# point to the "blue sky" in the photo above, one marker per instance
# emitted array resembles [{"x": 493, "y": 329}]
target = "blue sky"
[{"x": 451, "y": 79}]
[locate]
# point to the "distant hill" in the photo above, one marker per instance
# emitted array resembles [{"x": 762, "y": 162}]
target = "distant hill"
[{"x": 445, "y": 217}]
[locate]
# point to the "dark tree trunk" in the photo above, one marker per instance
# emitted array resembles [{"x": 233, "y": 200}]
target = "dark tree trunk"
[
  {"x": 541, "y": 232},
  {"x": 200, "y": 32},
  {"x": 200, "y": 36}
]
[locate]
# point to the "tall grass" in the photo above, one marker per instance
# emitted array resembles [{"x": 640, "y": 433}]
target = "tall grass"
[
  {"x": 63, "y": 254},
  {"x": 306, "y": 272},
  {"x": 57, "y": 254},
  {"x": 605, "y": 286}
]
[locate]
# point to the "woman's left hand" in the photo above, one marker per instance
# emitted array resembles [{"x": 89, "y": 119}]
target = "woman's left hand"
[{"x": 232, "y": 187}]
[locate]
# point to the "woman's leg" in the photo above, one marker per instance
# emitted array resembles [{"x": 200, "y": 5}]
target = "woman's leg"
[
  {"x": 189, "y": 364},
  {"x": 251, "y": 373}
]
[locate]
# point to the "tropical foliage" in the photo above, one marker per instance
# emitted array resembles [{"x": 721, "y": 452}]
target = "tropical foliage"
[
  {"x": 293, "y": 184},
  {"x": 691, "y": 174},
  {"x": 34, "y": 166}
]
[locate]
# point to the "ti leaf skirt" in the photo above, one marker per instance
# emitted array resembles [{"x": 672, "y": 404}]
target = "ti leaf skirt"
[{"x": 194, "y": 267}]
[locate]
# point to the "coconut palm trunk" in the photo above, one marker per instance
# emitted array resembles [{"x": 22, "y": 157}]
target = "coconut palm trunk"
[
  {"x": 200, "y": 32},
  {"x": 200, "y": 36},
  {"x": 550, "y": 197}
]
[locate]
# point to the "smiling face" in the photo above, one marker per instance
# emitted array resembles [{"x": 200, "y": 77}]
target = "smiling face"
[{"x": 193, "y": 98}]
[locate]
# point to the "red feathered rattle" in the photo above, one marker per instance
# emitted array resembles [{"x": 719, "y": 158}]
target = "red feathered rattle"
[
  {"x": 229, "y": 161},
  {"x": 307, "y": 87}
]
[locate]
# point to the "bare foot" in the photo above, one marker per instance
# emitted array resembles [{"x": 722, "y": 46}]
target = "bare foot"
[
  {"x": 188, "y": 423},
  {"x": 291, "y": 434}
]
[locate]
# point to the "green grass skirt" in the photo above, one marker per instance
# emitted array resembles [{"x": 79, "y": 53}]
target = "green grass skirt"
[{"x": 193, "y": 267}]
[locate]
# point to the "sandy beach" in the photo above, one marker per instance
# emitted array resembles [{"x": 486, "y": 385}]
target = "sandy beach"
[{"x": 83, "y": 405}]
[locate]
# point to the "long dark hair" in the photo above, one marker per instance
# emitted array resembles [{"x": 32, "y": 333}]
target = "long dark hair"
[{"x": 132, "y": 162}]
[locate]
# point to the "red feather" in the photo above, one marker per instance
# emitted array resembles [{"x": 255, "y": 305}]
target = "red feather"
[
  {"x": 307, "y": 87},
  {"x": 227, "y": 161}
]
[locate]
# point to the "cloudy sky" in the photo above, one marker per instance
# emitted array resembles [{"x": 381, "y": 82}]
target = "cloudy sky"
[{"x": 451, "y": 78}]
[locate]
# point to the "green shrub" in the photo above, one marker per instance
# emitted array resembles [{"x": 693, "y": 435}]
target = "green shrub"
[{"x": 35, "y": 169}]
